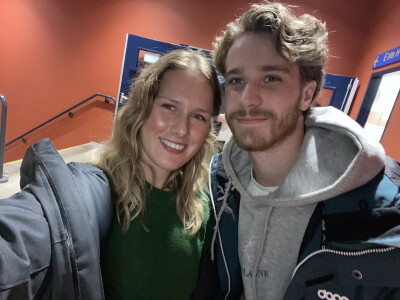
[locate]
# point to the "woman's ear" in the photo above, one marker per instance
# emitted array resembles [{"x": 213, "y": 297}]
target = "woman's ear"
[{"x": 307, "y": 94}]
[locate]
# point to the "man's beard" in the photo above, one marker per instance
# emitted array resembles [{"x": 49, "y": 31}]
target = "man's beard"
[{"x": 253, "y": 139}]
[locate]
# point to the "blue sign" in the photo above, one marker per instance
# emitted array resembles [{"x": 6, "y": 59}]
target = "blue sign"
[{"x": 386, "y": 58}]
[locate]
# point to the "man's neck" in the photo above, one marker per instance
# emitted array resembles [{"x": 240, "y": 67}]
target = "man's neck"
[{"x": 270, "y": 167}]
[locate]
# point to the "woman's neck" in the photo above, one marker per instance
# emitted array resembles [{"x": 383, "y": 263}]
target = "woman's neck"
[{"x": 155, "y": 178}]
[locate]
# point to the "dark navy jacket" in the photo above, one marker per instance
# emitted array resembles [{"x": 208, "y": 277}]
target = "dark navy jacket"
[{"x": 351, "y": 245}]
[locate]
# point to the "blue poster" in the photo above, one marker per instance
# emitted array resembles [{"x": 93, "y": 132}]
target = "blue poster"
[{"x": 387, "y": 57}]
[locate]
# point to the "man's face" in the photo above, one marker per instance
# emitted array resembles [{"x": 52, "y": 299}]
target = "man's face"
[{"x": 265, "y": 98}]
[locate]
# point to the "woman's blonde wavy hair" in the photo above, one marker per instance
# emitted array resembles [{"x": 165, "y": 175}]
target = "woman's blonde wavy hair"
[
  {"x": 300, "y": 40},
  {"x": 121, "y": 156}
]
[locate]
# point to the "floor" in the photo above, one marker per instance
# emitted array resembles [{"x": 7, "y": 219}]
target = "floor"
[{"x": 80, "y": 153}]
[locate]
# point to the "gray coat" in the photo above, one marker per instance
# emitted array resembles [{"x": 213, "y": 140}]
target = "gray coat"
[{"x": 52, "y": 231}]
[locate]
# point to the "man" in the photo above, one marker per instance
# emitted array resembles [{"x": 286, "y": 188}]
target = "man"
[{"x": 305, "y": 207}]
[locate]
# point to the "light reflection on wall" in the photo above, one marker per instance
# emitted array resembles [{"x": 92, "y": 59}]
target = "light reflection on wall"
[{"x": 383, "y": 105}]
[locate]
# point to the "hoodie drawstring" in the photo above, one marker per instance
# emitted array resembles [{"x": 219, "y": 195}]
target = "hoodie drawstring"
[{"x": 224, "y": 205}]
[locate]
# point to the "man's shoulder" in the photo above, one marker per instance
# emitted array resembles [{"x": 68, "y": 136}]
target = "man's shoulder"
[
  {"x": 218, "y": 175},
  {"x": 378, "y": 196},
  {"x": 392, "y": 170},
  {"x": 384, "y": 186}
]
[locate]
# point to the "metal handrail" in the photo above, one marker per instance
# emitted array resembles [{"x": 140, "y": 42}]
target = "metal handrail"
[
  {"x": 106, "y": 99},
  {"x": 2, "y": 135}
]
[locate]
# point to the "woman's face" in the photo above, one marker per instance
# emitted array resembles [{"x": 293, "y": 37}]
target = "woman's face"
[{"x": 178, "y": 124}]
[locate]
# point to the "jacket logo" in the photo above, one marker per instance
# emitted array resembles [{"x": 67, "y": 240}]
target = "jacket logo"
[{"x": 324, "y": 294}]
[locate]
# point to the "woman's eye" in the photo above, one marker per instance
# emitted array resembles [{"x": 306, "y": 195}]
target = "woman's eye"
[
  {"x": 168, "y": 106},
  {"x": 199, "y": 117}
]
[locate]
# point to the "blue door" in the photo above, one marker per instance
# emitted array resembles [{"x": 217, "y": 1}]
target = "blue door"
[
  {"x": 343, "y": 90},
  {"x": 139, "y": 52}
]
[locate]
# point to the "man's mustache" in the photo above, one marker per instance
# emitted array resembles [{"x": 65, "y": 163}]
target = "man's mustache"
[{"x": 254, "y": 112}]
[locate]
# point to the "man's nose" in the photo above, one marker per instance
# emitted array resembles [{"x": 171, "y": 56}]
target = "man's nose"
[{"x": 251, "y": 95}]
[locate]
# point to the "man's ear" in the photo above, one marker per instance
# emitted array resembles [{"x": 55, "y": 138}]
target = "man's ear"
[{"x": 307, "y": 94}]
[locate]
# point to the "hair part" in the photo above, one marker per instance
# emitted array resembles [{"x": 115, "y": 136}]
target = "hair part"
[
  {"x": 302, "y": 40},
  {"x": 121, "y": 155}
]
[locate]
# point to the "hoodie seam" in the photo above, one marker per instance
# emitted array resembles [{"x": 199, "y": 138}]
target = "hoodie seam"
[{"x": 264, "y": 235}]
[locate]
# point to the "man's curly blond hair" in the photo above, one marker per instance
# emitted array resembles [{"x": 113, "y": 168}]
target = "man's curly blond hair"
[{"x": 299, "y": 40}]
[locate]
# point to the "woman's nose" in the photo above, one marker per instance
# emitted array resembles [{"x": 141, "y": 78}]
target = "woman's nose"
[{"x": 180, "y": 126}]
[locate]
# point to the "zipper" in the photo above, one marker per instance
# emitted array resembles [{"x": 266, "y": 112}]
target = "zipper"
[
  {"x": 70, "y": 246},
  {"x": 343, "y": 253}
]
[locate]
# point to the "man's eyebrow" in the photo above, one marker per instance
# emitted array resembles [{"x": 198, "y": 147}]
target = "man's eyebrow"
[
  {"x": 234, "y": 71},
  {"x": 281, "y": 68},
  {"x": 268, "y": 68}
]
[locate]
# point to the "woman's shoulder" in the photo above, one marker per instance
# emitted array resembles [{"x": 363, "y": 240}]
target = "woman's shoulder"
[
  {"x": 203, "y": 194},
  {"x": 89, "y": 171}
]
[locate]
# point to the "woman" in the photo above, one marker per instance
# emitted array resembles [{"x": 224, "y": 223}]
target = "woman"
[
  {"x": 51, "y": 232},
  {"x": 154, "y": 159}
]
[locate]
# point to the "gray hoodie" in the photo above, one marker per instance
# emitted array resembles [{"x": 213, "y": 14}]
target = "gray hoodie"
[{"x": 336, "y": 156}]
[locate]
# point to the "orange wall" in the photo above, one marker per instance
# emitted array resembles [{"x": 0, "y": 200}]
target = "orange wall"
[{"x": 54, "y": 53}]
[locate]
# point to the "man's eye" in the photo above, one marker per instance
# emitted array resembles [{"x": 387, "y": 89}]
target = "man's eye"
[
  {"x": 168, "y": 106},
  {"x": 271, "y": 78},
  {"x": 235, "y": 81}
]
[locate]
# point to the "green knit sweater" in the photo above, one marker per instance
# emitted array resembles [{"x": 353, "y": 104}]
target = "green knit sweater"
[{"x": 162, "y": 263}]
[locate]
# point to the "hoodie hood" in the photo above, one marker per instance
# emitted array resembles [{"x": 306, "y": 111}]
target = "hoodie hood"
[{"x": 336, "y": 156}]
